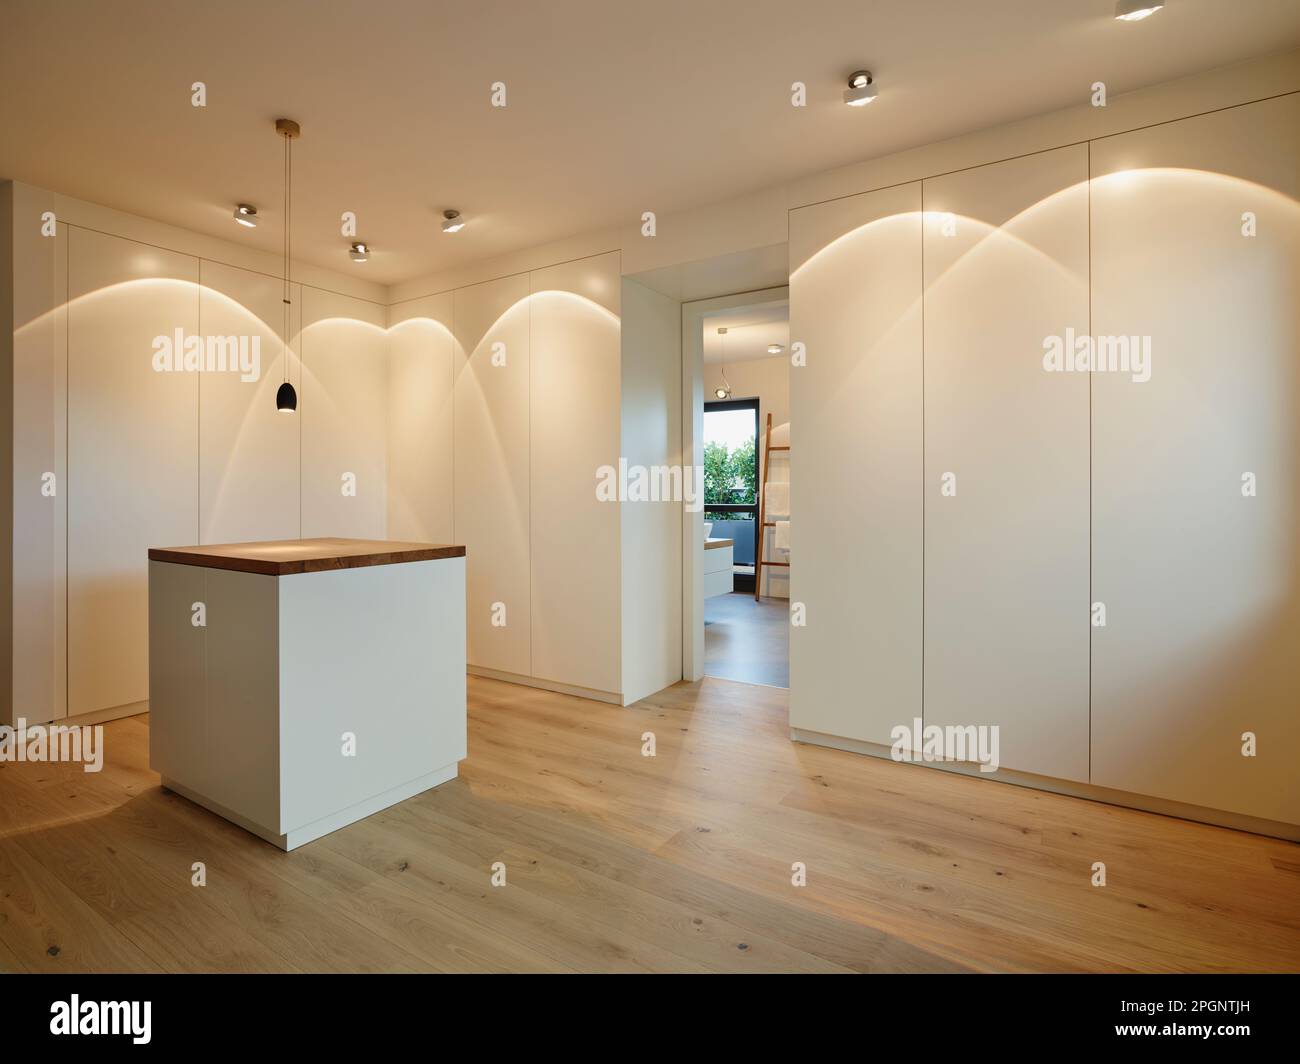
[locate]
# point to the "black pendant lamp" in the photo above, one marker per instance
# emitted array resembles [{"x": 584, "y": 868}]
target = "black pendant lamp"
[{"x": 286, "y": 398}]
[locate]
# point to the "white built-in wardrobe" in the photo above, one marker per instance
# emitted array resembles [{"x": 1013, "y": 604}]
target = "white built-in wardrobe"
[
  {"x": 504, "y": 403},
  {"x": 480, "y": 416},
  {"x": 968, "y": 515},
  {"x": 145, "y": 458}
]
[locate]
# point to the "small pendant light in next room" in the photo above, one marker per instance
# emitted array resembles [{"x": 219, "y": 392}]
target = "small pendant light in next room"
[
  {"x": 286, "y": 398},
  {"x": 723, "y": 391}
]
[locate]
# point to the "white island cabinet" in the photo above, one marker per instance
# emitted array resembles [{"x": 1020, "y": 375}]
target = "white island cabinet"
[{"x": 298, "y": 686}]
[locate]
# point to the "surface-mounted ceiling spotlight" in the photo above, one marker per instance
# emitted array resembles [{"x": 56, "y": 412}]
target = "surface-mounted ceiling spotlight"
[
  {"x": 246, "y": 214},
  {"x": 774, "y": 349},
  {"x": 1136, "y": 10},
  {"x": 452, "y": 222},
  {"x": 359, "y": 252},
  {"x": 861, "y": 90}
]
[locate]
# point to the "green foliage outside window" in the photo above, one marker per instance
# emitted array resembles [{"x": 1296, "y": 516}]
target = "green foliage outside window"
[{"x": 729, "y": 477}]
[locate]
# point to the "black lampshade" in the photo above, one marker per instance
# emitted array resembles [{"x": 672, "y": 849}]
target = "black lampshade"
[{"x": 286, "y": 399}]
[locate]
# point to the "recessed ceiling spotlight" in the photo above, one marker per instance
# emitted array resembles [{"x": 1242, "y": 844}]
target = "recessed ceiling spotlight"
[
  {"x": 246, "y": 214},
  {"x": 452, "y": 222},
  {"x": 359, "y": 252},
  {"x": 862, "y": 91},
  {"x": 774, "y": 349},
  {"x": 1136, "y": 10}
]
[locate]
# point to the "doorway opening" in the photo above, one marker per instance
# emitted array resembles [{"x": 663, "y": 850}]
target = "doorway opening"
[{"x": 745, "y": 437}]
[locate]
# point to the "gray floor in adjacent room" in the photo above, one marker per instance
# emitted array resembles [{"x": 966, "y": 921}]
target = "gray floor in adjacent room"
[{"x": 747, "y": 640}]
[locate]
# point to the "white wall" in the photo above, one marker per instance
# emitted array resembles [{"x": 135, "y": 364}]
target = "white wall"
[
  {"x": 1006, "y": 557},
  {"x": 504, "y": 400},
  {"x": 133, "y": 470},
  {"x": 39, "y": 438},
  {"x": 651, "y": 532},
  {"x": 6, "y": 446},
  {"x": 249, "y": 454},
  {"x": 342, "y": 416},
  {"x": 1201, "y": 581},
  {"x": 443, "y": 445},
  {"x": 855, "y": 467},
  {"x": 575, "y": 416},
  {"x": 421, "y": 434},
  {"x": 1071, "y": 488},
  {"x": 142, "y": 458},
  {"x": 492, "y": 502}
]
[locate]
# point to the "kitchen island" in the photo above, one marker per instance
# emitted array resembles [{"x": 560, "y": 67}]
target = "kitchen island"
[{"x": 297, "y": 686}]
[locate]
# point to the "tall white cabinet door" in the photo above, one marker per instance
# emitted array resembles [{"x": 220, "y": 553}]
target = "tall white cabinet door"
[
  {"x": 40, "y": 429},
  {"x": 576, "y": 578},
  {"x": 342, "y": 379},
  {"x": 132, "y": 454},
  {"x": 491, "y": 470},
  {"x": 1006, "y": 459},
  {"x": 855, "y": 464},
  {"x": 1196, "y": 471},
  {"x": 248, "y": 451},
  {"x": 421, "y": 374}
]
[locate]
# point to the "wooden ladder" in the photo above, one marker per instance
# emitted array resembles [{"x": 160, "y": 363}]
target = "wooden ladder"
[{"x": 763, "y": 523}]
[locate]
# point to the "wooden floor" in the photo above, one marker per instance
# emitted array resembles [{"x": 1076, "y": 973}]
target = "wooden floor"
[
  {"x": 747, "y": 640},
  {"x": 619, "y": 862}
]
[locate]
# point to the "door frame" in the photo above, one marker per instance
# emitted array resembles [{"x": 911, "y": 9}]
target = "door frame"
[{"x": 694, "y": 315}]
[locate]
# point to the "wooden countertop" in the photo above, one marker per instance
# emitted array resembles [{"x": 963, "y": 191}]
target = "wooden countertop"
[
  {"x": 709, "y": 544},
  {"x": 288, "y": 556}
]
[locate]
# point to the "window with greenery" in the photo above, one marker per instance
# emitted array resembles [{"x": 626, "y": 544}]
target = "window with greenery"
[
  {"x": 729, "y": 475},
  {"x": 730, "y": 460}
]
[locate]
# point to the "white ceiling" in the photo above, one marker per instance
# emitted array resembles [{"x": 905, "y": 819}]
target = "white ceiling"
[
  {"x": 614, "y": 108},
  {"x": 749, "y": 331}
]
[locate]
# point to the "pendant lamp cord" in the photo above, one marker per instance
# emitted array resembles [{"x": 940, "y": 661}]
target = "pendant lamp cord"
[{"x": 288, "y": 247}]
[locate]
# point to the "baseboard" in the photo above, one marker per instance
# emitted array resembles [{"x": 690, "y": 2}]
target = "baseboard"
[
  {"x": 298, "y": 836},
  {"x": 95, "y": 716},
  {"x": 546, "y": 685},
  {"x": 1090, "y": 792}
]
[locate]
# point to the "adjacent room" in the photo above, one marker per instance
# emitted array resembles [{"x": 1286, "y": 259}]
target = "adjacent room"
[
  {"x": 747, "y": 494},
  {"x": 501, "y": 487}
]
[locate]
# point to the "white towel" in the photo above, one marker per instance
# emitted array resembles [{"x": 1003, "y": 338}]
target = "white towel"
[
  {"x": 782, "y": 537},
  {"x": 781, "y": 434},
  {"x": 778, "y": 499}
]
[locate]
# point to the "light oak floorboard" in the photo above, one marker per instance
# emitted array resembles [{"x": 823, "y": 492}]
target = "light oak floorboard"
[{"x": 615, "y": 861}]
